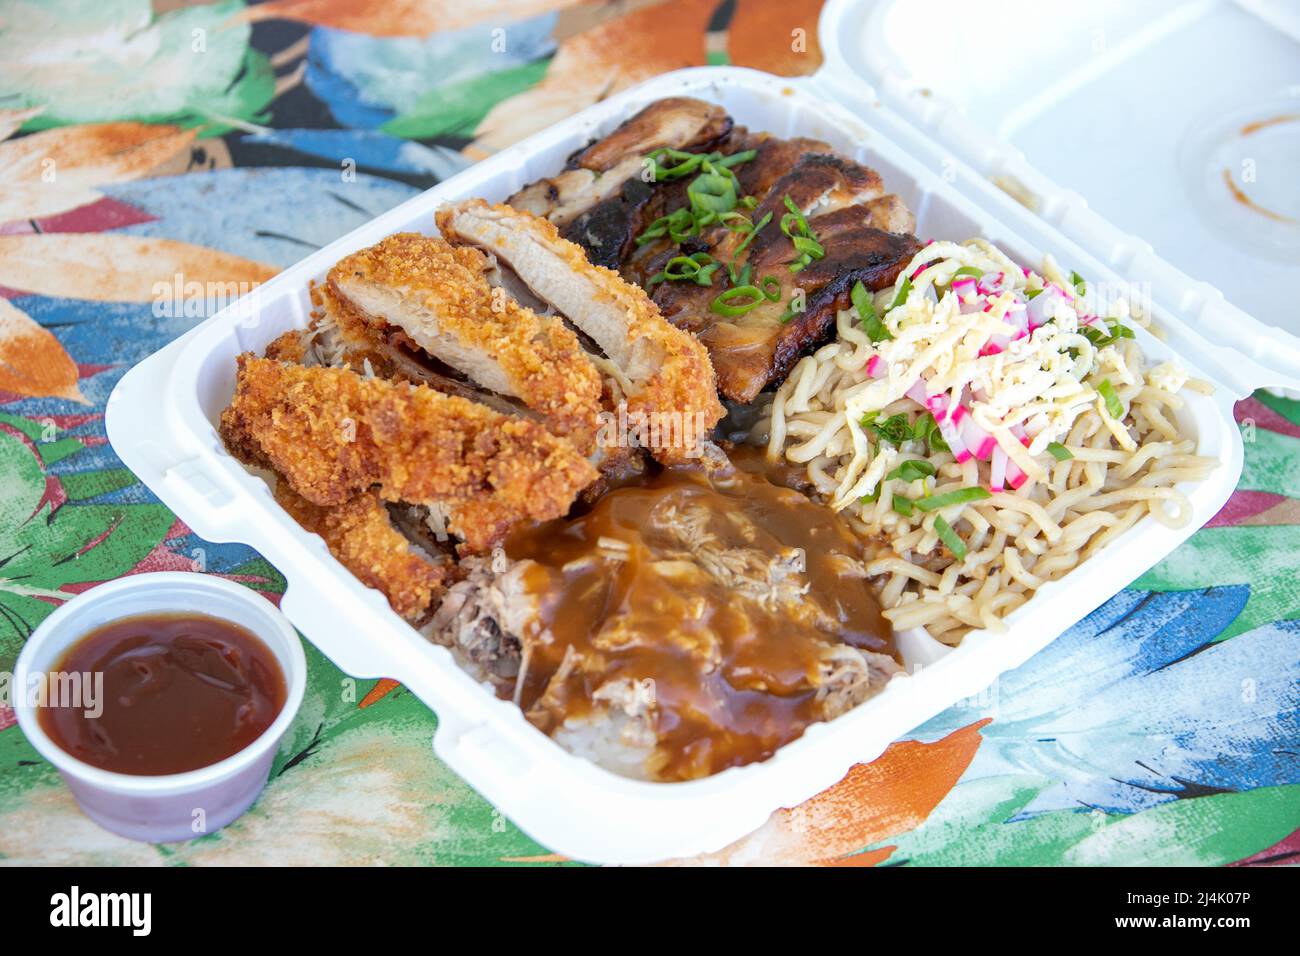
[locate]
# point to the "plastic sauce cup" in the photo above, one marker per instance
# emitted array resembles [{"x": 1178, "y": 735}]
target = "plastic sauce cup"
[{"x": 169, "y": 807}]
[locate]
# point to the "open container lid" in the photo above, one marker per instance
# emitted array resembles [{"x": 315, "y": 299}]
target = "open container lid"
[{"x": 1180, "y": 121}]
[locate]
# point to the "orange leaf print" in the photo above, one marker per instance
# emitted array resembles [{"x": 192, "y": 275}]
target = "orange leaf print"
[
  {"x": 763, "y": 36},
  {"x": 55, "y": 170},
  {"x": 891, "y": 795},
  {"x": 111, "y": 267},
  {"x": 378, "y": 692},
  {"x": 400, "y": 18},
  {"x": 32, "y": 361},
  {"x": 596, "y": 63}
]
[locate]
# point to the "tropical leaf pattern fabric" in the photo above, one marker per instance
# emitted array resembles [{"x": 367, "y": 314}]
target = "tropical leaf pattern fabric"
[{"x": 146, "y": 146}]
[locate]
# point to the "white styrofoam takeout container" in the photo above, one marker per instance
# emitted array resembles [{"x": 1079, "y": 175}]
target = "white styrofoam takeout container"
[{"x": 161, "y": 421}]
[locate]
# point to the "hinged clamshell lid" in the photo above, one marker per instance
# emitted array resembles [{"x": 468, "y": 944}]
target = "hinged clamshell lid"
[{"x": 1180, "y": 122}]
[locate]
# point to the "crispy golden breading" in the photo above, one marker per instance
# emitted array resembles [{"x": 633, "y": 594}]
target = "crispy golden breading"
[
  {"x": 670, "y": 375},
  {"x": 289, "y": 347},
  {"x": 360, "y": 534},
  {"x": 333, "y": 434},
  {"x": 440, "y": 297}
]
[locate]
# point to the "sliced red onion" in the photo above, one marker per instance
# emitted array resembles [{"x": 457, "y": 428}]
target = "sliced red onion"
[
  {"x": 1019, "y": 318},
  {"x": 876, "y": 366},
  {"x": 952, "y": 437},
  {"x": 1015, "y": 477},
  {"x": 991, "y": 282},
  {"x": 998, "y": 471},
  {"x": 1042, "y": 307},
  {"x": 922, "y": 267},
  {"x": 980, "y": 442},
  {"x": 917, "y": 392}
]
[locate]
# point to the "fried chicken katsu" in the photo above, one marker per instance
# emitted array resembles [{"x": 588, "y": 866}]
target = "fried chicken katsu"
[
  {"x": 360, "y": 533},
  {"x": 439, "y": 296},
  {"x": 333, "y": 434}
]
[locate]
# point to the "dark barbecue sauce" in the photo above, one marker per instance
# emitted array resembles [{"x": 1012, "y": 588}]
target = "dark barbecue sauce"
[{"x": 180, "y": 692}]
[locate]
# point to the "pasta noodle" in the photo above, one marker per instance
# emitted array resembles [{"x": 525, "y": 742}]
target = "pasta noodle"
[{"x": 1026, "y": 436}]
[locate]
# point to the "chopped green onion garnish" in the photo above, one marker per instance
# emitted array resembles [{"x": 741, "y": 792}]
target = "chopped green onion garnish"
[
  {"x": 1030, "y": 293},
  {"x": 1059, "y": 451},
  {"x": 1100, "y": 338},
  {"x": 1076, "y": 280},
  {"x": 735, "y": 159},
  {"x": 795, "y": 215},
  {"x": 912, "y": 470},
  {"x": 698, "y": 268},
  {"x": 1113, "y": 404},
  {"x": 903, "y": 505},
  {"x": 871, "y": 323},
  {"x": 771, "y": 287},
  {"x": 753, "y": 231},
  {"x": 927, "y": 429},
  {"x": 903, "y": 292},
  {"x": 949, "y": 537},
  {"x": 678, "y": 226},
  {"x": 712, "y": 193},
  {"x": 894, "y": 430},
  {"x": 968, "y": 271},
  {"x": 959, "y": 497},
  {"x": 737, "y": 301},
  {"x": 686, "y": 163},
  {"x": 736, "y": 222},
  {"x": 795, "y": 226}
]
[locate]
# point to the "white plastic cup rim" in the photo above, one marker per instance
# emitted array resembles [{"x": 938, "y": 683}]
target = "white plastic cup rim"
[{"x": 157, "y": 595}]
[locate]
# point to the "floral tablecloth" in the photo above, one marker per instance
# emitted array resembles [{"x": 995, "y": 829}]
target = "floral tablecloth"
[{"x": 145, "y": 147}]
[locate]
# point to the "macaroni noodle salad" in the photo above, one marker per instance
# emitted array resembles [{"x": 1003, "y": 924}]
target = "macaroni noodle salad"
[{"x": 985, "y": 430}]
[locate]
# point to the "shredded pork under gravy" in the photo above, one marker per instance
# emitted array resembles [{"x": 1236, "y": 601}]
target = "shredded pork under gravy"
[{"x": 702, "y": 622}]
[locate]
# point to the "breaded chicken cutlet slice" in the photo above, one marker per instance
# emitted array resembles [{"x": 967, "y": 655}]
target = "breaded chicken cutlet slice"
[
  {"x": 333, "y": 434},
  {"x": 439, "y": 297},
  {"x": 361, "y": 535},
  {"x": 338, "y": 338},
  {"x": 666, "y": 371}
]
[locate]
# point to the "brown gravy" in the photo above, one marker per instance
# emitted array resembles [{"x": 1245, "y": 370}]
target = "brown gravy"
[
  {"x": 180, "y": 692},
  {"x": 725, "y": 593}
]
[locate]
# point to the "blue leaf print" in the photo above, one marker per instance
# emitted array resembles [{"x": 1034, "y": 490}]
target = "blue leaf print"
[
  {"x": 367, "y": 148},
  {"x": 275, "y": 215},
  {"x": 1137, "y": 706},
  {"x": 367, "y": 80}
]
